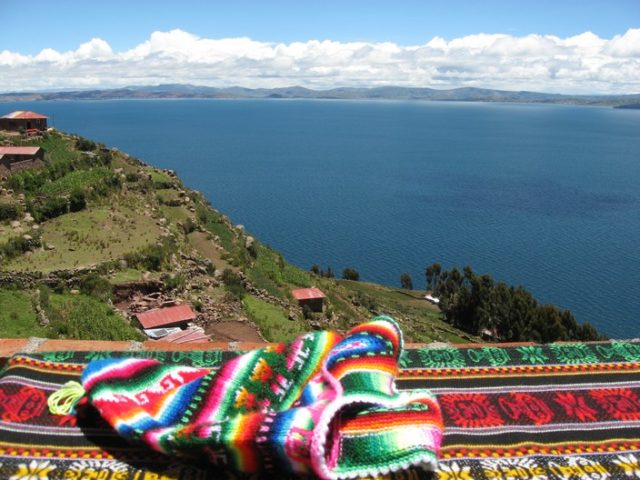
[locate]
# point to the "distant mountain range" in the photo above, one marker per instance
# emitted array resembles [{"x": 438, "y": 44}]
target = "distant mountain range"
[{"x": 386, "y": 93}]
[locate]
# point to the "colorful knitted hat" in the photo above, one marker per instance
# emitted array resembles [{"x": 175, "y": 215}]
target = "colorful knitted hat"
[{"x": 322, "y": 404}]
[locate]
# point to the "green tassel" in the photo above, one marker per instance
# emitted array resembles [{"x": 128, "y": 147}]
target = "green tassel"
[{"x": 63, "y": 401}]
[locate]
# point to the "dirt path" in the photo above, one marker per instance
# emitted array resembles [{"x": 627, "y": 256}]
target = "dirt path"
[{"x": 233, "y": 332}]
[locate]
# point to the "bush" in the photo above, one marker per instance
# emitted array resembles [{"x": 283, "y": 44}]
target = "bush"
[
  {"x": 77, "y": 201},
  {"x": 172, "y": 282},
  {"x": 18, "y": 245},
  {"x": 51, "y": 207},
  {"x": 94, "y": 285},
  {"x": 151, "y": 257},
  {"x": 132, "y": 177},
  {"x": 85, "y": 145},
  {"x": 350, "y": 274},
  {"x": 9, "y": 211},
  {"x": 233, "y": 284}
]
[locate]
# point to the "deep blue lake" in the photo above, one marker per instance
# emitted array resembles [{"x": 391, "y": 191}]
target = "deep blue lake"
[{"x": 539, "y": 195}]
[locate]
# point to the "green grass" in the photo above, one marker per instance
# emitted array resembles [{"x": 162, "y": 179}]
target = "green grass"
[
  {"x": 168, "y": 196},
  {"x": 58, "y": 148},
  {"x": 158, "y": 176},
  {"x": 78, "y": 180},
  {"x": 17, "y": 316},
  {"x": 272, "y": 273},
  {"x": 272, "y": 321},
  {"x": 174, "y": 214},
  {"x": 89, "y": 237},
  {"x": 81, "y": 317},
  {"x": 126, "y": 275}
]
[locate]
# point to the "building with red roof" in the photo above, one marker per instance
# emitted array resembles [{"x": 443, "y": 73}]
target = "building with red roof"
[
  {"x": 25, "y": 120},
  {"x": 14, "y": 159},
  {"x": 312, "y": 297},
  {"x": 176, "y": 316}
]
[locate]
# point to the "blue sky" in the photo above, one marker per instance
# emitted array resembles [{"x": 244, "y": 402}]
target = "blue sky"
[
  {"x": 65, "y": 24},
  {"x": 564, "y": 46}
]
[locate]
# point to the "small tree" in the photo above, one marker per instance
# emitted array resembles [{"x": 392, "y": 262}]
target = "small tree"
[
  {"x": 406, "y": 282},
  {"x": 350, "y": 274},
  {"x": 315, "y": 269}
]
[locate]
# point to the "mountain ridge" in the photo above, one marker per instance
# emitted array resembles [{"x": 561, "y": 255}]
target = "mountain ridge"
[{"x": 463, "y": 94}]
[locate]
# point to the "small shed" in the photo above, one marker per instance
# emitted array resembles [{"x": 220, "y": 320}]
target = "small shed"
[
  {"x": 176, "y": 316},
  {"x": 312, "y": 297},
  {"x": 23, "y": 120},
  {"x": 13, "y": 159}
]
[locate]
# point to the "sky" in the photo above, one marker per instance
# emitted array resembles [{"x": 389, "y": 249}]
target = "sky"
[{"x": 561, "y": 46}]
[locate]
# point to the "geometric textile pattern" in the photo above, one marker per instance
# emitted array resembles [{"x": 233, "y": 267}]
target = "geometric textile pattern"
[{"x": 566, "y": 411}]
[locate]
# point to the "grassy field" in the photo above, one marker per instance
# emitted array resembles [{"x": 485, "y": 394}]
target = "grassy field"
[
  {"x": 420, "y": 320},
  {"x": 58, "y": 147},
  {"x": 17, "y": 317},
  {"x": 175, "y": 214},
  {"x": 82, "y": 317},
  {"x": 88, "y": 238},
  {"x": 272, "y": 321},
  {"x": 78, "y": 180}
]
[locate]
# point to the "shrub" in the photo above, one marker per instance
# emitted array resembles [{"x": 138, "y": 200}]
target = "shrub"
[
  {"x": 350, "y": 274},
  {"x": 77, "y": 201},
  {"x": 94, "y": 285},
  {"x": 172, "y": 282},
  {"x": 51, "y": 207},
  {"x": 85, "y": 145},
  {"x": 18, "y": 245},
  {"x": 233, "y": 284},
  {"x": 9, "y": 211}
]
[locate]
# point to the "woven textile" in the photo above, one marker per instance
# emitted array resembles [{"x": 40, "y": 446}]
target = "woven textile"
[{"x": 564, "y": 412}]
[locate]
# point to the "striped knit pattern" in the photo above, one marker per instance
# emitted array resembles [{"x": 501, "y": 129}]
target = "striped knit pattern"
[{"x": 322, "y": 404}]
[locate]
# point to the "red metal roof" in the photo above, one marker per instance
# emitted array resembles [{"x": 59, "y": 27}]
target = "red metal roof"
[
  {"x": 160, "y": 317},
  {"x": 19, "y": 150},
  {"x": 307, "y": 293},
  {"x": 26, "y": 115}
]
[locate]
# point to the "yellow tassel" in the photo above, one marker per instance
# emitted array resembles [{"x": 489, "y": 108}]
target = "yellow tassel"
[{"x": 62, "y": 402}]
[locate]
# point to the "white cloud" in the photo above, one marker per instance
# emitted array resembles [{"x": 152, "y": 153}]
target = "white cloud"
[{"x": 583, "y": 63}]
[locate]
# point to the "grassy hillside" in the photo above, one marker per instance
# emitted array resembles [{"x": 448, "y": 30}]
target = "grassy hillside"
[{"x": 94, "y": 220}]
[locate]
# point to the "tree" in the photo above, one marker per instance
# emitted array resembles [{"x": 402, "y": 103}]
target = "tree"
[
  {"x": 350, "y": 274},
  {"x": 315, "y": 269},
  {"x": 432, "y": 273},
  {"x": 406, "y": 282}
]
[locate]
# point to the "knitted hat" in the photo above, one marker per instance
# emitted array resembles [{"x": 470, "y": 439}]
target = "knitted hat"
[{"x": 322, "y": 404}]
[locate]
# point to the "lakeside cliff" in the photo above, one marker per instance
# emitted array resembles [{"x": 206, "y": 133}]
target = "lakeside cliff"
[{"x": 96, "y": 236}]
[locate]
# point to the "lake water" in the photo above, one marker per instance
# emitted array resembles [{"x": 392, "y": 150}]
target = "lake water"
[{"x": 543, "y": 196}]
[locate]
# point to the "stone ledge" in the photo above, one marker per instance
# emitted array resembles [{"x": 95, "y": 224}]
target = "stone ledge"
[{"x": 11, "y": 346}]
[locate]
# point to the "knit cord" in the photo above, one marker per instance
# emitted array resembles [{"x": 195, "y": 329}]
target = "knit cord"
[{"x": 63, "y": 401}]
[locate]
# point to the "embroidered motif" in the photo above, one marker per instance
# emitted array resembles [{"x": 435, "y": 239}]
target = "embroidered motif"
[
  {"x": 441, "y": 357},
  {"x": 471, "y": 410},
  {"x": 573, "y": 353},
  {"x": 529, "y": 406},
  {"x": 620, "y": 403}
]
